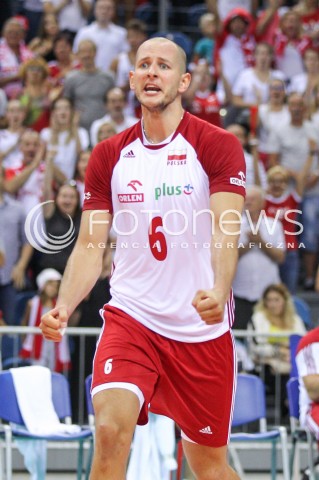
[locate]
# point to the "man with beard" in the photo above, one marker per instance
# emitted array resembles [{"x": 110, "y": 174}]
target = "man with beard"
[{"x": 169, "y": 183}]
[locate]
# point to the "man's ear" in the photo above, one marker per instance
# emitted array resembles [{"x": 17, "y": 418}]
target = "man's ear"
[
  {"x": 131, "y": 79},
  {"x": 184, "y": 82}
]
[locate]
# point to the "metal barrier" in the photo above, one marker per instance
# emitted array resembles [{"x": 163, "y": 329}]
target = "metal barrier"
[{"x": 82, "y": 334}]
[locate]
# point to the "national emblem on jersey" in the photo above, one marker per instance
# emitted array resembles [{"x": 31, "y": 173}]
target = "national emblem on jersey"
[{"x": 177, "y": 157}]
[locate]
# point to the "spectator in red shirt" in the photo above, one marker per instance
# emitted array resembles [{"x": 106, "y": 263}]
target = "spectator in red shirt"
[{"x": 284, "y": 203}]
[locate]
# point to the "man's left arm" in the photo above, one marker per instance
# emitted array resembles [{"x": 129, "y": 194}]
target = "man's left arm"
[{"x": 226, "y": 208}]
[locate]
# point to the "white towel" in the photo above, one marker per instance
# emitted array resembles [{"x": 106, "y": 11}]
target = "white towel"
[
  {"x": 34, "y": 395},
  {"x": 152, "y": 456}
]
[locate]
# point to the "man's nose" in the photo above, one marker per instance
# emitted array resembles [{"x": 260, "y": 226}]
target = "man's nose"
[{"x": 152, "y": 70}]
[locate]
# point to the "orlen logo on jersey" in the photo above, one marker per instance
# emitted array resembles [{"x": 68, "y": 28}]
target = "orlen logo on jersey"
[
  {"x": 166, "y": 190},
  {"x": 177, "y": 157},
  {"x": 241, "y": 182},
  {"x": 132, "y": 197}
]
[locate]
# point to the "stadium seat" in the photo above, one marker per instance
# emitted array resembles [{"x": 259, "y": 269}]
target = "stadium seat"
[
  {"x": 298, "y": 434},
  {"x": 293, "y": 343},
  {"x": 13, "y": 424},
  {"x": 303, "y": 311},
  {"x": 250, "y": 406}
]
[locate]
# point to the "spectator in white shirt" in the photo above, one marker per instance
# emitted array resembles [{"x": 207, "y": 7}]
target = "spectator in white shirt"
[
  {"x": 65, "y": 136},
  {"x": 261, "y": 250},
  {"x": 290, "y": 146},
  {"x": 110, "y": 39},
  {"x": 115, "y": 105},
  {"x": 252, "y": 84},
  {"x": 10, "y": 154},
  {"x": 255, "y": 171},
  {"x": 306, "y": 83},
  {"x": 225, "y": 6},
  {"x": 271, "y": 114},
  {"x": 125, "y": 61}
]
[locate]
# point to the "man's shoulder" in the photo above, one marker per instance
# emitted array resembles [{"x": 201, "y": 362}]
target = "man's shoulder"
[
  {"x": 206, "y": 128},
  {"x": 209, "y": 137},
  {"x": 106, "y": 76},
  {"x": 73, "y": 75},
  {"x": 309, "y": 339}
]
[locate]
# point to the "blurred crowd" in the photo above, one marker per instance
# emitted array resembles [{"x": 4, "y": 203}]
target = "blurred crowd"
[{"x": 64, "y": 87}]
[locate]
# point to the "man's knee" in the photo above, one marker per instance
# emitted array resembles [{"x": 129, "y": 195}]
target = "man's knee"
[{"x": 113, "y": 434}]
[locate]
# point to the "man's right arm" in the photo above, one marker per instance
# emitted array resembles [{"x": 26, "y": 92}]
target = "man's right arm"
[
  {"x": 82, "y": 271},
  {"x": 311, "y": 383}
]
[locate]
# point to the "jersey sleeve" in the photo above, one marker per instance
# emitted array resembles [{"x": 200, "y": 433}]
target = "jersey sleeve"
[
  {"x": 98, "y": 175},
  {"x": 224, "y": 162}
]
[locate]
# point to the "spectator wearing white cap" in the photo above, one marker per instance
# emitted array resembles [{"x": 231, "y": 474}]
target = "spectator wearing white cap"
[{"x": 34, "y": 347}]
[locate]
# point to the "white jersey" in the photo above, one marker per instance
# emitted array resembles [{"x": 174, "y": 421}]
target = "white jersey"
[
  {"x": 159, "y": 196},
  {"x": 307, "y": 360}
]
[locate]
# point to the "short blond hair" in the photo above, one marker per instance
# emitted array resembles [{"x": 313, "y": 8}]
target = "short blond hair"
[{"x": 277, "y": 170}]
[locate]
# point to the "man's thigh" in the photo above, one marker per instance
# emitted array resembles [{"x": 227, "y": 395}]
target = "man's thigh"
[
  {"x": 126, "y": 359},
  {"x": 196, "y": 388}
]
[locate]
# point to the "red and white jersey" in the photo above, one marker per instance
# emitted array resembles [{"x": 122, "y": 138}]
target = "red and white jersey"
[
  {"x": 159, "y": 196},
  {"x": 286, "y": 208},
  {"x": 307, "y": 359},
  {"x": 206, "y": 106},
  {"x": 30, "y": 194}
]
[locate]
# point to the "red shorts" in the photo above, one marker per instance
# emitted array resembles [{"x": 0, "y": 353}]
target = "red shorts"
[{"x": 192, "y": 383}]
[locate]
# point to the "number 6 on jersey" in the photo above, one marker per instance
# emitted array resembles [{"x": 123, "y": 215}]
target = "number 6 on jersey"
[{"x": 108, "y": 366}]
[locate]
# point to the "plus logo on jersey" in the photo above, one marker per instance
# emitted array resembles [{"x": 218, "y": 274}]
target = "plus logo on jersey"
[
  {"x": 177, "y": 157},
  {"x": 166, "y": 190},
  {"x": 188, "y": 189},
  {"x": 241, "y": 182},
  {"x": 136, "y": 197}
]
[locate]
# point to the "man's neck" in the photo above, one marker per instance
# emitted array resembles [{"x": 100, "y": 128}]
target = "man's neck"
[
  {"x": 297, "y": 123},
  {"x": 89, "y": 69},
  {"x": 117, "y": 117},
  {"x": 103, "y": 24},
  {"x": 159, "y": 126}
]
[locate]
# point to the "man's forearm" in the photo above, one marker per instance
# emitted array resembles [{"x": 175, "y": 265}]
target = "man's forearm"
[
  {"x": 224, "y": 262},
  {"x": 275, "y": 253},
  {"x": 82, "y": 271}
]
